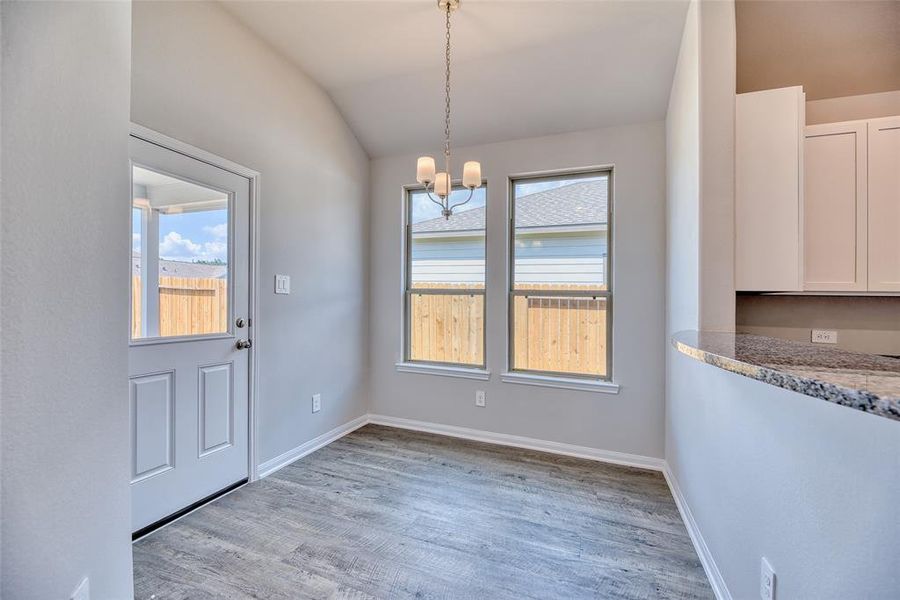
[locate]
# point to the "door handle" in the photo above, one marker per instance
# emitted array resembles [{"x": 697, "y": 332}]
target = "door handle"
[{"x": 244, "y": 344}]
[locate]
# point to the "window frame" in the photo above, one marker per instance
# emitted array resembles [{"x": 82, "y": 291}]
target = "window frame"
[
  {"x": 516, "y": 374},
  {"x": 453, "y": 369}
]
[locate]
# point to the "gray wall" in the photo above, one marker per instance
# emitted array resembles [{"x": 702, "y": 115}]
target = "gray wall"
[
  {"x": 631, "y": 421},
  {"x": 810, "y": 485},
  {"x": 64, "y": 304},
  {"x": 203, "y": 78}
]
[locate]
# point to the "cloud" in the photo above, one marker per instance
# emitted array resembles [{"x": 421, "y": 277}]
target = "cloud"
[
  {"x": 135, "y": 241},
  {"x": 175, "y": 247},
  {"x": 219, "y": 231}
]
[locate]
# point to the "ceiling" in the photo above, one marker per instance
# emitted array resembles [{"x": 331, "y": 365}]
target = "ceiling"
[
  {"x": 833, "y": 48},
  {"x": 520, "y": 69}
]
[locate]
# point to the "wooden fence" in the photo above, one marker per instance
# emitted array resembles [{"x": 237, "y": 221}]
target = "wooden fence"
[
  {"x": 187, "y": 306},
  {"x": 558, "y": 334}
]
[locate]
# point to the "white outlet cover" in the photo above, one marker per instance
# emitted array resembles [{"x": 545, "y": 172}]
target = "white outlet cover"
[
  {"x": 316, "y": 403},
  {"x": 766, "y": 580},
  {"x": 479, "y": 398},
  {"x": 83, "y": 591},
  {"x": 824, "y": 336}
]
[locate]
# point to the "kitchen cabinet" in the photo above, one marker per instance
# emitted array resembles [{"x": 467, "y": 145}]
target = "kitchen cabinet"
[
  {"x": 834, "y": 208},
  {"x": 884, "y": 204},
  {"x": 769, "y": 134}
]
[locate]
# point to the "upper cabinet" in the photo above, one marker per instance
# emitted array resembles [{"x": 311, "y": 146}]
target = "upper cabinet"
[
  {"x": 884, "y": 204},
  {"x": 768, "y": 185},
  {"x": 834, "y": 208},
  {"x": 816, "y": 208}
]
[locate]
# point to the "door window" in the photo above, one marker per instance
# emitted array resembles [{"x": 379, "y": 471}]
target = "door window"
[{"x": 179, "y": 257}]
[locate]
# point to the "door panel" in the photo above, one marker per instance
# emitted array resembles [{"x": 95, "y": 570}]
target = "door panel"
[
  {"x": 834, "y": 208},
  {"x": 884, "y": 205},
  {"x": 190, "y": 261},
  {"x": 153, "y": 427},
  {"x": 216, "y": 408}
]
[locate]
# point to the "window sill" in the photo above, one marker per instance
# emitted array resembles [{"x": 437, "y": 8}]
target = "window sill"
[
  {"x": 443, "y": 370},
  {"x": 566, "y": 383}
]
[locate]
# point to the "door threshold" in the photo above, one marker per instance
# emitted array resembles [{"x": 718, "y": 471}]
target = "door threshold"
[{"x": 145, "y": 531}]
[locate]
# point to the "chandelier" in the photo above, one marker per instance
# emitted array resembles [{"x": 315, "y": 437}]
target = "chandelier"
[{"x": 440, "y": 183}]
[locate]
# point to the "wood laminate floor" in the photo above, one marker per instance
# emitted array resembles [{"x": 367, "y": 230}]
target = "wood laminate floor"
[{"x": 389, "y": 513}]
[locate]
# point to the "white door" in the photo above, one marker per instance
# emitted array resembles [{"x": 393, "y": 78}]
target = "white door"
[{"x": 188, "y": 357}]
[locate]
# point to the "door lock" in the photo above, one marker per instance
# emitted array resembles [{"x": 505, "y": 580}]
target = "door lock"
[
  {"x": 240, "y": 323},
  {"x": 244, "y": 344}
]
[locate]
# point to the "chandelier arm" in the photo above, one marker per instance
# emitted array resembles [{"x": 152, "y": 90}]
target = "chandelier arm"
[
  {"x": 430, "y": 197},
  {"x": 466, "y": 201}
]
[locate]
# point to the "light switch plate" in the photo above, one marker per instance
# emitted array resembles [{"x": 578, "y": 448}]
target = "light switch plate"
[
  {"x": 282, "y": 284},
  {"x": 824, "y": 336}
]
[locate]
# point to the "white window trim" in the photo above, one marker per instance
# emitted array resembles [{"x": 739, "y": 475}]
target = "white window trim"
[
  {"x": 404, "y": 365},
  {"x": 565, "y": 383},
  {"x": 577, "y": 382},
  {"x": 443, "y": 370}
]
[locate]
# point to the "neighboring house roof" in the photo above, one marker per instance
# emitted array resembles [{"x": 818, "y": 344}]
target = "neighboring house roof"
[
  {"x": 176, "y": 268},
  {"x": 581, "y": 203}
]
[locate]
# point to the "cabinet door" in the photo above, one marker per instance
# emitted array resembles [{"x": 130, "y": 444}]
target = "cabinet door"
[
  {"x": 834, "y": 208},
  {"x": 884, "y": 205},
  {"x": 768, "y": 175}
]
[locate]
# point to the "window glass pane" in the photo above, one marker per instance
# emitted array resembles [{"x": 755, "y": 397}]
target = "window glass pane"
[
  {"x": 560, "y": 334},
  {"x": 180, "y": 237},
  {"x": 447, "y": 253},
  {"x": 561, "y": 233},
  {"x": 446, "y": 328}
]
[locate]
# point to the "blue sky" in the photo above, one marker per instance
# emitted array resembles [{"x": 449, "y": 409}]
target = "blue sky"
[{"x": 188, "y": 237}]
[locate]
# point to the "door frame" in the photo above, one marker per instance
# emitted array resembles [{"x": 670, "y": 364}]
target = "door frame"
[{"x": 175, "y": 145}]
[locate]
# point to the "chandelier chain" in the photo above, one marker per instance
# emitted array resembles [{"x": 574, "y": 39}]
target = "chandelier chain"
[{"x": 447, "y": 95}]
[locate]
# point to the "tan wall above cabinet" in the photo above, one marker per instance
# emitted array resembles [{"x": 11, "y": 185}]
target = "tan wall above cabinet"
[{"x": 818, "y": 208}]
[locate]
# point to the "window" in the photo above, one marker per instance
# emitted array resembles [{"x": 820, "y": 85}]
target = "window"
[
  {"x": 179, "y": 257},
  {"x": 559, "y": 295},
  {"x": 444, "y": 303}
]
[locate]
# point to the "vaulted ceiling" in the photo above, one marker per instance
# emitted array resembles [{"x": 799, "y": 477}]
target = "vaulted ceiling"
[{"x": 520, "y": 69}]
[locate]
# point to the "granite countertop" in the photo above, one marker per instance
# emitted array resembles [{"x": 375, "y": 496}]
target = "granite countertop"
[{"x": 866, "y": 382}]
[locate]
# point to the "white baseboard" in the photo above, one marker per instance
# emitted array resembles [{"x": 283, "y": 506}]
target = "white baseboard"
[
  {"x": 716, "y": 581},
  {"x": 503, "y": 439},
  {"x": 283, "y": 460}
]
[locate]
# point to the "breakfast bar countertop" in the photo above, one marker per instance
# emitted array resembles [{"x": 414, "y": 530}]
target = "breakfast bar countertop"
[{"x": 865, "y": 382}]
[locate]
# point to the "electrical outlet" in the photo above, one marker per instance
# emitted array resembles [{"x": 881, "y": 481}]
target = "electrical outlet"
[
  {"x": 824, "y": 336},
  {"x": 317, "y": 403},
  {"x": 83, "y": 591},
  {"x": 766, "y": 580},
  {"x": 479, "y": 398}
]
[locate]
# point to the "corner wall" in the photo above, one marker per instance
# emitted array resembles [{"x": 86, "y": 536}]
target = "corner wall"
[
  {"x": 64, "y": 408},
  {"x": 630, "y": 422},
  {"x": 200, "y": 76},
  {"x": 810, "y": 485}
]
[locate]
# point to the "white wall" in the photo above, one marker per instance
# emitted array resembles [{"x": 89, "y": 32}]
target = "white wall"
[
  {"x": 201, "y": 77},
  {"x": 66, "y": 504},
  {"x": 631, "y": 421},
  {"x": 810, "y": 485}
]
